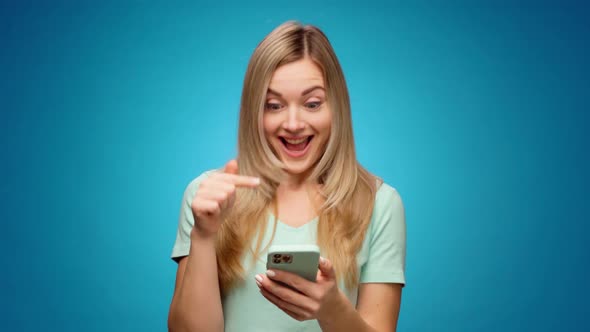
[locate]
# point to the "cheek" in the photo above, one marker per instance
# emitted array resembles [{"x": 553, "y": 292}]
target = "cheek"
[
  {"x": 268, "y": 125},
  {"x": 325, "y": 124}
]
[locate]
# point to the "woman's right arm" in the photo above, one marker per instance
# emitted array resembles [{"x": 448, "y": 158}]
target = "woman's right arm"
[{"x": 196, "y": 303}]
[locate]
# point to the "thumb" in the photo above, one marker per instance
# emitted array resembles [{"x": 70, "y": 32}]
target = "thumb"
[
  {"x": 326, "y": 268},
  {"x": 231, "y": 167}
]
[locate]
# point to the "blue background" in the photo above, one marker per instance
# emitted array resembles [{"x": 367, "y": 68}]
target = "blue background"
[{"x": 477, "y": 112}]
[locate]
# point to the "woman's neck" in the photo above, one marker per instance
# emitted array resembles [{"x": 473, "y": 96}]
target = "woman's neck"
[
  {"x": 296, "y": 183},
  {"x": 298, "y": 187},
  {"x": 296, "y": 203}
]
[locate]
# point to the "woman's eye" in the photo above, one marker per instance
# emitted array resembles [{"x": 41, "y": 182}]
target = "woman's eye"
[
  {"x": 273, "y": 106},
  {"x": 313, "y": 105}
]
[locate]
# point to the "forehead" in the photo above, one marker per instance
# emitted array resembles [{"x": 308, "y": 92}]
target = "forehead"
[{"x": 297, "y": 75}]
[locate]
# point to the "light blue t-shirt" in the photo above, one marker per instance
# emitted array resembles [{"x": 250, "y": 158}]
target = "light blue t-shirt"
[{"x": 380, "y": 260}]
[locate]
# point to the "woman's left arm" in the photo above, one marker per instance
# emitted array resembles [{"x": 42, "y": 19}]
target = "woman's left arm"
[
  {"x": 379, "y": 305},
  {"x": 377, "y": 310}
]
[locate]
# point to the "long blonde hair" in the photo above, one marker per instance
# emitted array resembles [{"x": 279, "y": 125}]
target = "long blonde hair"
[{"x": 347, "y": 189}]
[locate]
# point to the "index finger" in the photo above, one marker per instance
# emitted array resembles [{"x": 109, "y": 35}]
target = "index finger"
[{"x": 241, "y": 180}]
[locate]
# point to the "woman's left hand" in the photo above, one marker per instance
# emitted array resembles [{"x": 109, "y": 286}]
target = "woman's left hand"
[{"x": 303, "y": 299}]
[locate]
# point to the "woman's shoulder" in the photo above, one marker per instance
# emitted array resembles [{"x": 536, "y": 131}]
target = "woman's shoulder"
[
  {"x": 386, "y": 192},
  {"x": 387, "y": 198},
  {"x": 388, "y": 215}
]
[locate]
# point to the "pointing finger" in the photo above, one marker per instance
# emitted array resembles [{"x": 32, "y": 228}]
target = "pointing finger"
[{"x": 241, "y": 180}]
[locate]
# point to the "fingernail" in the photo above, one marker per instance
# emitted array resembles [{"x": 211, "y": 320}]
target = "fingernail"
[
  {"x": 256, "y": 181},
  {"x": 270, "y": 273},
  {"x": 258, "y": 283},
  {"x": 322, "y": 260},
  {"x": 258, "y": 278}
]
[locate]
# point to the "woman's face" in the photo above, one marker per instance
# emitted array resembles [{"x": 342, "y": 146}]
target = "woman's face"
[{"x": 297, "y": 118}]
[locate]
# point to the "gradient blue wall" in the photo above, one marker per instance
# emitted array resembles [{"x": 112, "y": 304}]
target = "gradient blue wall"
[{"x": 476, "y": 112}]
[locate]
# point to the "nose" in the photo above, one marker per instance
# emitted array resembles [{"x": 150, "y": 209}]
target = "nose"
[{"x": 293, "y": 122}]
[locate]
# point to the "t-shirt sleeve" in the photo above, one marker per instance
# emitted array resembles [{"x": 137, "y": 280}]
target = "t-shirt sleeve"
[
  {"x": 387, "y": 240},
  {"x": 186, "y": 219}
]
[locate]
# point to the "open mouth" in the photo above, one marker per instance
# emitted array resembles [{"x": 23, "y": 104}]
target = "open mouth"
[{"x": 296, "y": 147}]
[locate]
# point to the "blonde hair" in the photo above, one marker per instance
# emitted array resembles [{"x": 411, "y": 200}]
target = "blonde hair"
[{"x": 347, "y": 191}]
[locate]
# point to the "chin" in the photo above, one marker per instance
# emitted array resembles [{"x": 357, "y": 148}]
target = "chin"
[
  {"x": 294, "y": 168},
  {"x": 298, "y": 167}
]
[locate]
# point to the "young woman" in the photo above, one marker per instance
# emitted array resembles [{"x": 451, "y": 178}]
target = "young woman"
[{"x": 296, "y": 180}]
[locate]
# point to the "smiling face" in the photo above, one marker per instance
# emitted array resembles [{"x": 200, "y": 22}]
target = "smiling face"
[{"x": 297, "y": 118}]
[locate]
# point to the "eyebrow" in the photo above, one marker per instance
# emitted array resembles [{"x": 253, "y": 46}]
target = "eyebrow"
[{"x": 306, "y": 91}]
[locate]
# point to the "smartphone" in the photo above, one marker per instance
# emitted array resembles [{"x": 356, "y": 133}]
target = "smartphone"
[{"x": 301, "y": 259}]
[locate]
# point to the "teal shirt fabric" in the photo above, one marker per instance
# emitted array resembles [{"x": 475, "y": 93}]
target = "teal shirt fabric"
[{"x": 380, "y": 260}]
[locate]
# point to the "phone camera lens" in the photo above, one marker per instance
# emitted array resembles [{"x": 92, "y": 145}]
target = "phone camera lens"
[{"x": 287, "y": 258}]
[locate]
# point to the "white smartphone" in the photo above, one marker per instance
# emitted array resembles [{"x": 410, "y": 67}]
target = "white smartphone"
[{"x": 301, "y": 259}]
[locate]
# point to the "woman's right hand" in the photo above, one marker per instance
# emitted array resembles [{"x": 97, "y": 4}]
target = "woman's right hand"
[{"x": 215, "y": 197}]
